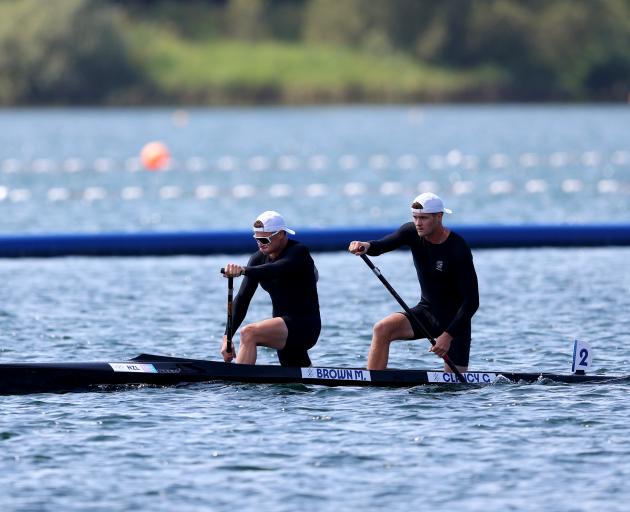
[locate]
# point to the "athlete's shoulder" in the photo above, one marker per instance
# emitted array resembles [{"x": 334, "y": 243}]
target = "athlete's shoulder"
[
  {"x": 296, "y": 245},
  {"x": 458, "y": 244},
  {"x": 407, "y": 229},
  {"x": 258, "y": 258},
  {"x": 457, "y": 239},
  {"x": 409, "y": 235},
  {"x": 297, "y": 248}
]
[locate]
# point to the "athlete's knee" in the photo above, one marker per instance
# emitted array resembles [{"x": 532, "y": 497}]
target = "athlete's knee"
[
  {"x": 249, "y": 333},
  {"x": 383, "y": 331}
]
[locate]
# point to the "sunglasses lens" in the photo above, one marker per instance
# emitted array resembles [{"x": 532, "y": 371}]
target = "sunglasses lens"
[{"x": 265, "y": 240}]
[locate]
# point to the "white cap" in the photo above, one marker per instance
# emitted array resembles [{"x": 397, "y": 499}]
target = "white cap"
[
  {"x": 270, "y": 222},
  {"x": 429, "y": 203}
]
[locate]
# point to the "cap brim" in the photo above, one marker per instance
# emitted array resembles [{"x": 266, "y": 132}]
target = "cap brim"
[{"x": 428, "y": 212}]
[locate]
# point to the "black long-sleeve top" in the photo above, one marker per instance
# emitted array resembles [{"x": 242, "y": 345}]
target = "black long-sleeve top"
[
  {"x": 446, "y": 274},
  {"x": 290, "y": 280}
]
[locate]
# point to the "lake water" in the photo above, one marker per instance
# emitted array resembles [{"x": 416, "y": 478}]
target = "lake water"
[
  {"x": 78, "y": 170},
  {"x": 262, "y": 447}
]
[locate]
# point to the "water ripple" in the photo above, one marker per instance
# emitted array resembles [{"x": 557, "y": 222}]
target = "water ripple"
[{"x": 291, "y": 447}]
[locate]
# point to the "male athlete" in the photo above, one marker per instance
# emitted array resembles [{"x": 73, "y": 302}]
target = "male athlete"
[
  {"x": 448, "y": 281},
  {"x": 285, "y": 269}
]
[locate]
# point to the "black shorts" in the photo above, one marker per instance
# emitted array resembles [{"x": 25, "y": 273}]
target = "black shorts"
[
  {"x": 459, "y": 353},
  {"x": 303, "y": 334}
]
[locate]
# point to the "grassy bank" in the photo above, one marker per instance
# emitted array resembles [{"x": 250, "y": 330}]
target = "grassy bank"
[
  {"x": 223, "y": 71},
  {"x": 312, "y": 51}
]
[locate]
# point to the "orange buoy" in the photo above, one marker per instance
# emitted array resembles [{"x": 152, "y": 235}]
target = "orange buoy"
[{"x": 155, "y": 156}]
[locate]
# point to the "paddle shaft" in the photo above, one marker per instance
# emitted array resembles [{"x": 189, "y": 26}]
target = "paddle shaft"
[
  {"x": 229, "y": 313},
  {"x": 230, "y": 296},
  {"x": 412, "y": 317}
]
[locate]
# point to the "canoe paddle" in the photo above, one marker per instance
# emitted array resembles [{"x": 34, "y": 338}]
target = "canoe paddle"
[
  {"x": 412, "y": 317},
  {"x": 229, "y": 311}
]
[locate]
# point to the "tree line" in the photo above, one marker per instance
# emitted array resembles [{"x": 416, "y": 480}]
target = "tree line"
[{"x": 85, "y": 51}]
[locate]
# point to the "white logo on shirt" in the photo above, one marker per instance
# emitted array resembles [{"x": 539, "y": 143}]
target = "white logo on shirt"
[{"x": 439, "y": 265}]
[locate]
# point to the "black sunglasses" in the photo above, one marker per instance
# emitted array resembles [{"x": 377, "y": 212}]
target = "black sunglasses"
[{"x": 265, "y": 240}]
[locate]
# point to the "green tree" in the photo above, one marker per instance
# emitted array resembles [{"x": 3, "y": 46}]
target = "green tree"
[
  {"x": 246, "y": 19},
  {"x": 61, "y": 51},
  {"x": 354, "y": 23},
  {"x": 586, "y": 44}
]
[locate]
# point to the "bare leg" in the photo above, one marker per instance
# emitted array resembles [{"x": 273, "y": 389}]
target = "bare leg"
[
  {"x": 272, "y": 333},
  {"x": 393, "y": 327}
]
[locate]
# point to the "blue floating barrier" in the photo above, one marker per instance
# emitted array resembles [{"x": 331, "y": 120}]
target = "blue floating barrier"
[{"x": 318, "y": 240}]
